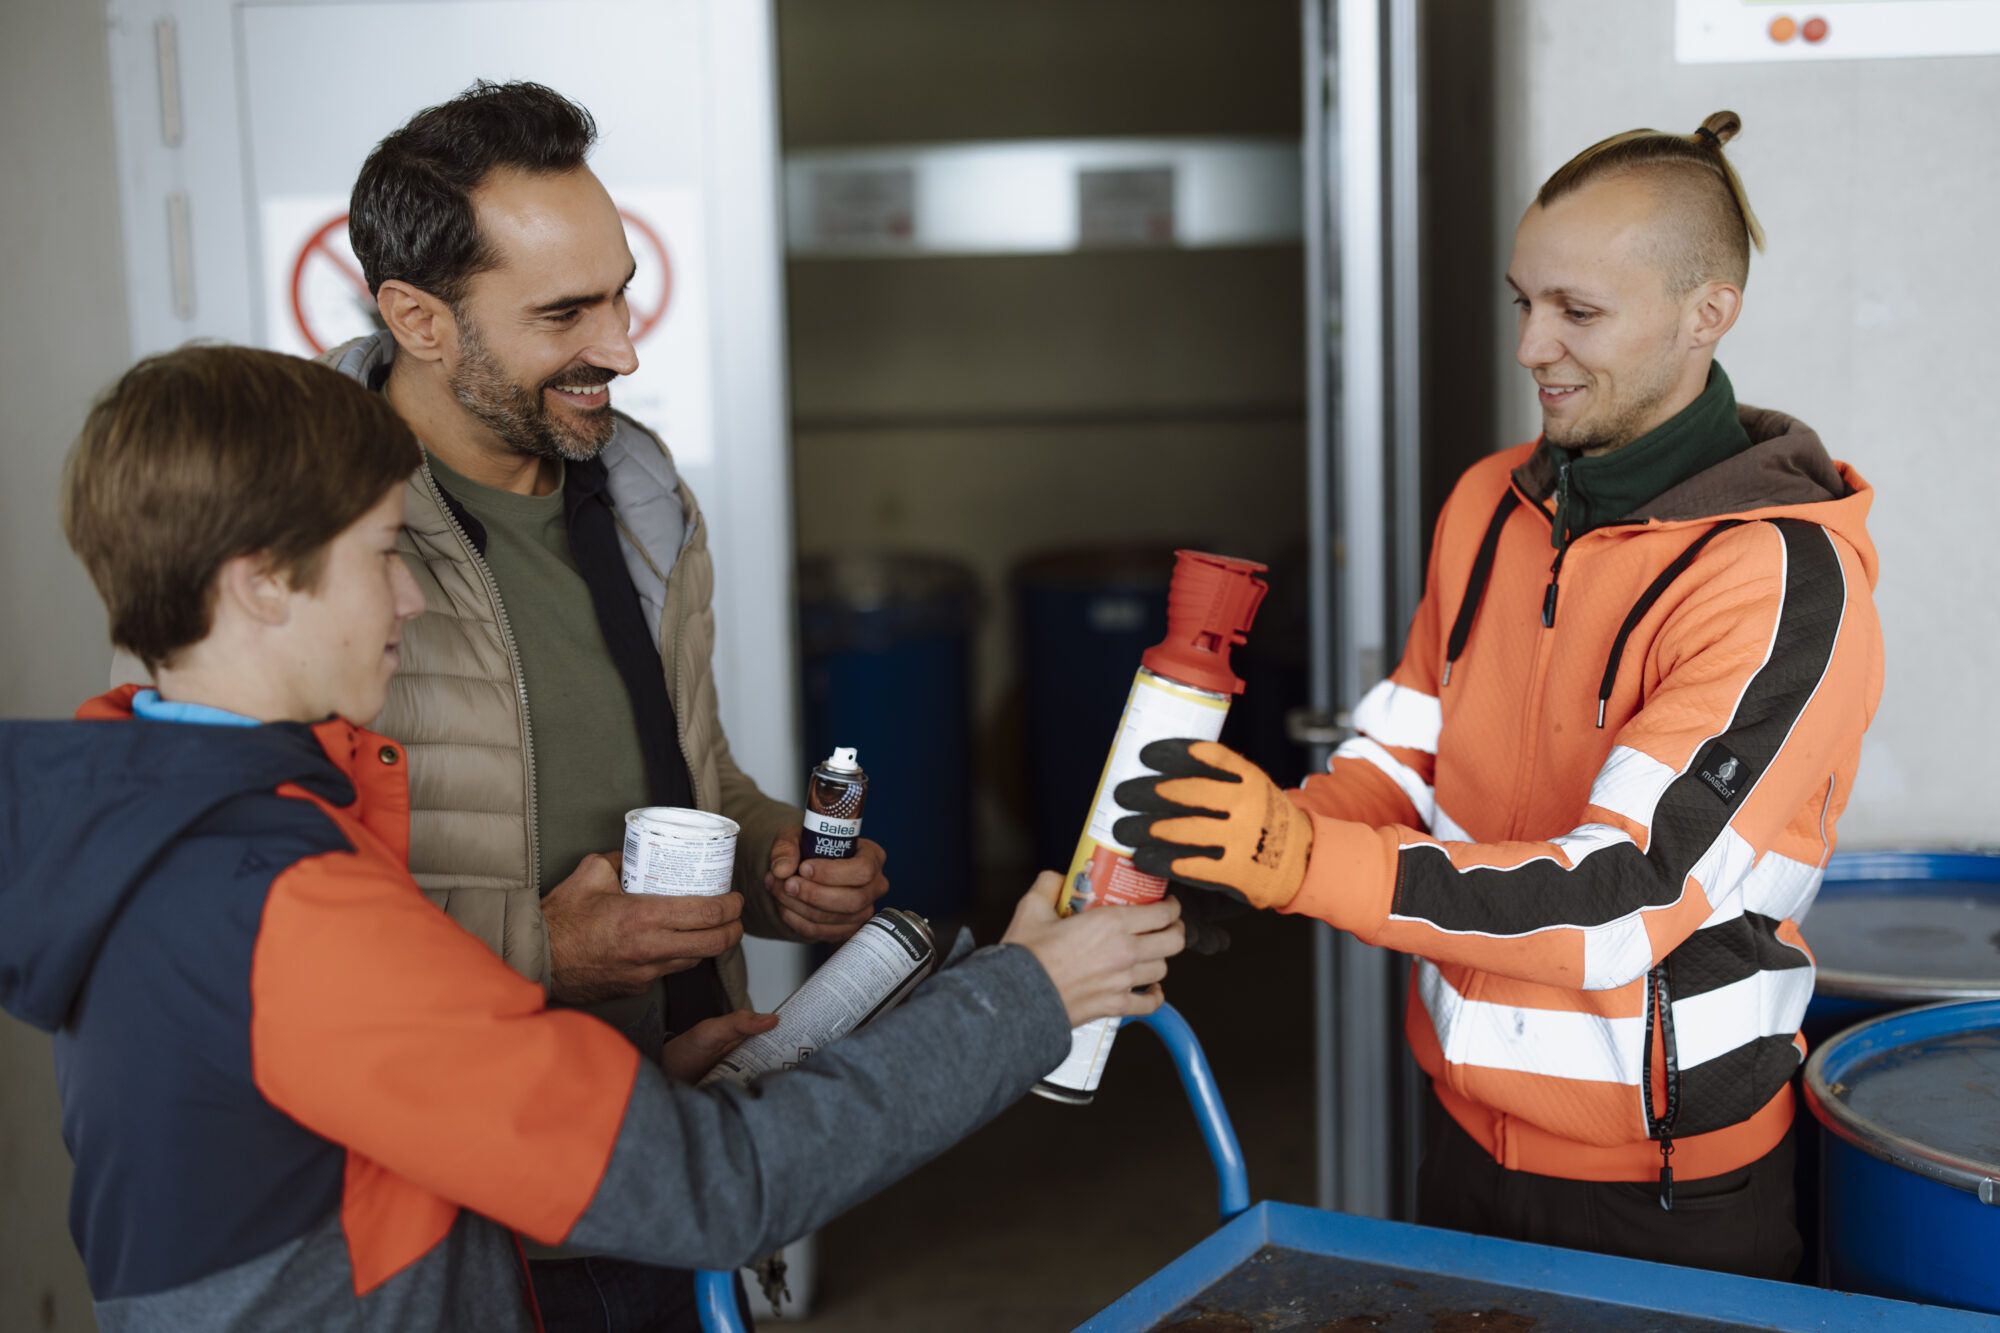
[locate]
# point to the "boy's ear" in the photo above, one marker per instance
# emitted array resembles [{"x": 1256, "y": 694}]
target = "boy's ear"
[
  {"x": 250, "y": 587},
  {"x": 422, "y": 325}
]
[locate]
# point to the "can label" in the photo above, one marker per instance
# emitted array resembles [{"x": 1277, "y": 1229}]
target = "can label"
[
  {"x": 1101, "y": 872},
  {"x": 834, "y": 799},
  {"x": 674, "y": 851},
  {"x": 829, "y": 838},
  {"x": 866, "y": 977}
]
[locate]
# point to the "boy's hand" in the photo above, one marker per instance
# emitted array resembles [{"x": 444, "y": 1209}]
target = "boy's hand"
[
  {"x": 1211, "y": 818},
  {"x": 689, "y": 1056},
  {"x": 1105, "y": 961}
]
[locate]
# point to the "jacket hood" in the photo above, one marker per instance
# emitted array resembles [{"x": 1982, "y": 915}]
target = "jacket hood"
[
  {"x": 1786, "y": 472},
  {"x": 91, "y": 805}
]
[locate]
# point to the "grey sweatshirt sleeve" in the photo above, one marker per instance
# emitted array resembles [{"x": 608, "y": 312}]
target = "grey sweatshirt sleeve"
[{"x": 715, "y": 1177}]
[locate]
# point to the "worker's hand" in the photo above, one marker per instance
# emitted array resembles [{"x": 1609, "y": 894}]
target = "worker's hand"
[
  {"x": 1108, "y": 960},
  {"x": 821, "y": 899},
  {"x": 605, "y": 942},
  {"x": 1209, "y": 817},
  {"x": 691, "y": 1054}
]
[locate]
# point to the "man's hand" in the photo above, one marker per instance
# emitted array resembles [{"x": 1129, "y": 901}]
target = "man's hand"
[
  {"x": 605, "y": 943},
  {"x": 689, "y": 1056},
  {"x": 1108, "y": 960},
  {"x": 1209, "y": 817},
  {"x": 821, "y": 899}
]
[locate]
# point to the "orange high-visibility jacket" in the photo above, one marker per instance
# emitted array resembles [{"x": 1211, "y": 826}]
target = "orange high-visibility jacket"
[{"x": 1595, "y": 800}]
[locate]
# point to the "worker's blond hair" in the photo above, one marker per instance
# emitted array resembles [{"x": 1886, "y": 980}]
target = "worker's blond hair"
[{"x": 1712, "y": 227}]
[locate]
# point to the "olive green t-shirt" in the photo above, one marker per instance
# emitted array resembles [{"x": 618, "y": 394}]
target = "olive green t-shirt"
[{"x": 589, "y": 768}]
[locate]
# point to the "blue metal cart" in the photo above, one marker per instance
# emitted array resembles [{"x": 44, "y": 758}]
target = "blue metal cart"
[{"x": 1284, "y": 1267}]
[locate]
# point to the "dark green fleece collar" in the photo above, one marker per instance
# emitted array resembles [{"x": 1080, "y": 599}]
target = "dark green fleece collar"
[{"x": 1592, "y": 492}]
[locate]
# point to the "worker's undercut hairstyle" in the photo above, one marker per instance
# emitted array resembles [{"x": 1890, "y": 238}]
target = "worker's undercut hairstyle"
[
  {"x": 411, "y": 219},
  {"x": 204, "y": 454},
  {"x": 1710, "y": 227}
]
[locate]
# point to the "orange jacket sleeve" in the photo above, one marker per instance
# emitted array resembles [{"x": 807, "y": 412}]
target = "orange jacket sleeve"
[
  {"x": 1770, "y": 675},
  {"x": 379, "y": 1024}
]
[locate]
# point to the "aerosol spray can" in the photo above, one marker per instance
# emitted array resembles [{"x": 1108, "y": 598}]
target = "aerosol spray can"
[
  {"x": 866, "y": 977},
  {"x": 1183, "y": 689},
  {"x": 835, "y": 793}
]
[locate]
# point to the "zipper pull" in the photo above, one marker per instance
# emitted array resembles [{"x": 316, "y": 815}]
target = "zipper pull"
[
  {"x": 1558, "y": 538},
  {"x": 1666, "y": 1173},
  {"x": 1559, "y": 534}
]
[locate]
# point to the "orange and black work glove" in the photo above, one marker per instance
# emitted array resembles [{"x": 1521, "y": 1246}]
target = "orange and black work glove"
[{"x": 1211, "y": 818}]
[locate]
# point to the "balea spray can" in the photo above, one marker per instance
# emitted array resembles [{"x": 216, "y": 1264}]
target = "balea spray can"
[
  {"x": 1183, "y": 689},
  {"x": 835, "y": 793}
]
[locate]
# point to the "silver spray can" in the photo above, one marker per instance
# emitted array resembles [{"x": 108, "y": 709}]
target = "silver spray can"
[
  {"x": 866, "y": 977},
  {"x": 835, "y": 792}
]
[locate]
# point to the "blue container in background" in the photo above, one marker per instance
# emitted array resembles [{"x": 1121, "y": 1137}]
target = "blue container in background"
[
  {"x": 1087, "y": 617},
  {"x": 1894, "y": 929},
  {"x": 1909, "y": 1106},
  {"x": 887, "y": 653}
]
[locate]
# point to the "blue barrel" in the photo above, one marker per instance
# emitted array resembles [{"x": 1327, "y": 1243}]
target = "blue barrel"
[
  {"x": 1909, "y": 1106},
  {"x": 1087, "y": 616},
  {"x": 1896, "y": 929},
  {"x": 888, "y": 670}
]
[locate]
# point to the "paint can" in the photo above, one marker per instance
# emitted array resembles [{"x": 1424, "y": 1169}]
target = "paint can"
[
  {"x": 1182, "y": 691},
  {"x": 674, "y": 851},
  {"x": 867, "y": 977},
  {"x": 835, "y": 793},
  {"x": 1909, "y": 1105}
]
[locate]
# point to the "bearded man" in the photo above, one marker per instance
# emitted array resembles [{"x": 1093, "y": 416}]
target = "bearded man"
[
  {"x": 561, "y": 675},
  {"x": 1596, "y": 797}
]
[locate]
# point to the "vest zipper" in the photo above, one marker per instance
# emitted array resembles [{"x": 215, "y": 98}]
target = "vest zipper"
[
  {"x": 1660, "y": 1018},
  {"x": 513, "y": 662},
  {"x": 670, "y": 661}
]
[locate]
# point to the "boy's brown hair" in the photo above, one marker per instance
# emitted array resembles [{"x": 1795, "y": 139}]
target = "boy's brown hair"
[{"x": 207, "y": 453}]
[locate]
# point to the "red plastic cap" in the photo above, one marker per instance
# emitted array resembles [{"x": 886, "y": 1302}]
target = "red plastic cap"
[{"x": 1210, "y": 605}]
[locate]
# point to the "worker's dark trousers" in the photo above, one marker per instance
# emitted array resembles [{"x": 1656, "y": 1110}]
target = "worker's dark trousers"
[{"x": 1740, "y": 1222}]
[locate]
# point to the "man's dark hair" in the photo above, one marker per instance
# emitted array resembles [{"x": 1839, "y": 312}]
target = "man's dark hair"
[{"x": 411, "y": 217}]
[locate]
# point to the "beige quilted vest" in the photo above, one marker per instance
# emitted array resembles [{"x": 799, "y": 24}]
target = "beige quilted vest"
[{"x": 457, "y": 705}]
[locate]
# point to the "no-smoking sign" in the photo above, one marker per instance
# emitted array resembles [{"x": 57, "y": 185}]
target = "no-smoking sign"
[{"x": 328, "y": 300}]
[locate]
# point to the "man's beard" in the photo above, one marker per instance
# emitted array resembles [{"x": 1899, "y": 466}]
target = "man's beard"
[
  {"x": 1618, "y": 424},
  {"x": 520, "y": 416}
]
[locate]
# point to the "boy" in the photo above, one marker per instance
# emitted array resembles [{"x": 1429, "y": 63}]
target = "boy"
[{"x": 297, "y": 1094}]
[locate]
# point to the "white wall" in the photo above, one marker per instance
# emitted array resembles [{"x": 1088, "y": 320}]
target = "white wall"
[
  {"x": 62, "y": 340},
  {"x": 1870, "y": 317}
]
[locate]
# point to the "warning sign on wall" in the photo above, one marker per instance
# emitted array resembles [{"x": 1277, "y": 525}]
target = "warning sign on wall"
[{"x": 315, "y": 298}]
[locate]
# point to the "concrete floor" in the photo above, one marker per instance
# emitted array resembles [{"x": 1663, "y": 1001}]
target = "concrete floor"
[{"x": 1052, "y": 1212}]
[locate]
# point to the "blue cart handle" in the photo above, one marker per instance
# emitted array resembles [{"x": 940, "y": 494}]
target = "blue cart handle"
[
  {"x": 715, "y": 1301},
  {"x": 1232, "y": 1179},
  {"x": 715, "y": 1292}
]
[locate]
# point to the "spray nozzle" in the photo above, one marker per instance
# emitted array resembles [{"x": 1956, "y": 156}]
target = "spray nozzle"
[
  {"x": 843, "y": 759},
  {"x": 1210, "y": 604}
]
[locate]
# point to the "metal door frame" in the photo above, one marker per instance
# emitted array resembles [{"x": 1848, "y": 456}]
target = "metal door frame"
[{"x": 1361, "y": 71}]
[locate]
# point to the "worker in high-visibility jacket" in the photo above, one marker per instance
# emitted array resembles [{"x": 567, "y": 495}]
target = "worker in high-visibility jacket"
[{"x": 1595, "y": 798}]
